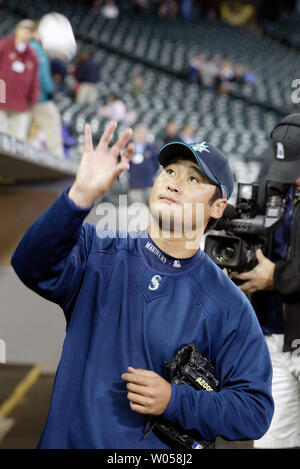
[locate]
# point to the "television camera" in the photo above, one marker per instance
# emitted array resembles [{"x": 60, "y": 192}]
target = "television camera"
[{"x": 247, "y": 227}]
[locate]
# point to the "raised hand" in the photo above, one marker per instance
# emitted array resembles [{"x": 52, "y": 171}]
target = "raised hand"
[{"x": 99, "y": 167}]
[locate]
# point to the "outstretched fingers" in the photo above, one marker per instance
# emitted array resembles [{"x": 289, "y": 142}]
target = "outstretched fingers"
[
  {"x": 120, "y": 143},
  {"x": 126, "y": 156},
  {"x": 106, "y": 136},
  {"x": 88, "y": 140}
]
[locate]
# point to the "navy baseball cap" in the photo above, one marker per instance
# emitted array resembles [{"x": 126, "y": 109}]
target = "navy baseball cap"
[
  {"x": 213, "y": 163},
  {"x": 285, "y": 137}
]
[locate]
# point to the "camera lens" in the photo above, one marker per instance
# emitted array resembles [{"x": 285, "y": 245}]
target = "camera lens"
[
  {"x": 223, "y": 253},
  {"x": 226, "y": 251}
]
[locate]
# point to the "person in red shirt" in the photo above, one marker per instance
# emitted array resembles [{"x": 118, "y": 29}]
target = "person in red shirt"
[{"x": 19, "y": 75}]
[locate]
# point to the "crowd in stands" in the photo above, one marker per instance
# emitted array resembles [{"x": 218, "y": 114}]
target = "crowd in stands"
[
  {"x": 29, "y": 111},
  {"x": 106, "y": 8},
  {"x": 216, "y": 74},
  {"x": 163, "y": 8}
]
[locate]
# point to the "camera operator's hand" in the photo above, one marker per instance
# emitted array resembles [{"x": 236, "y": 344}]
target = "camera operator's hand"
[
  {"x": 259, "y": 278},
  {"x": 99, "y": 167}
]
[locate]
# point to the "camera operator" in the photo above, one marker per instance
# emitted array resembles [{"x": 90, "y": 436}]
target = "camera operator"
[{"x": 274, "y": 286}]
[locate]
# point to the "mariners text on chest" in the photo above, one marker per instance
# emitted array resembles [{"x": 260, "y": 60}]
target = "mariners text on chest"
[{"x": 156, "y": 251}]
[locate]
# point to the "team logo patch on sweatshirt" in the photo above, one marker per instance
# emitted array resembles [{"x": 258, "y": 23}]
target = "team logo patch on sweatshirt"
[{"x": 154, "y": 282}]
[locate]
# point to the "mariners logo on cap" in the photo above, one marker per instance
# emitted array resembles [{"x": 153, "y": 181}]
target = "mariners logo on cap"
[
  {"x": 280, "y": 151},
  {"x": 200, "y": 147}
]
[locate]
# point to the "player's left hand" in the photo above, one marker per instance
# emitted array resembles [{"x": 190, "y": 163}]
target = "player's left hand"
[
  {"x": 149, "y": 393},
  {"x": 259, "y": 278}
]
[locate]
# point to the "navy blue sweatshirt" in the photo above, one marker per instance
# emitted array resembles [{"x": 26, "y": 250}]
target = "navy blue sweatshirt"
[{"x": 128, "y": 304}]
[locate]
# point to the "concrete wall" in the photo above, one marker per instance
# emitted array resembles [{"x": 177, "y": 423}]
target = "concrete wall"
[{"x": 33, "y": 328}]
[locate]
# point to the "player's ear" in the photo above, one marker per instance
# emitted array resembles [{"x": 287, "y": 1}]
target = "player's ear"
[{"x": 217, "y": 208}]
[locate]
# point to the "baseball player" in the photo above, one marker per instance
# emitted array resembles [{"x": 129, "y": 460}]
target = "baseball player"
[{"x": 131, "y": 302}]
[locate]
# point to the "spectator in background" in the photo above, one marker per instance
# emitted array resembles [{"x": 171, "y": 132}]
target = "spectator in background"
[
  {"x": 210, "y": 9},
  {"x": 186, "y": 9},
  {"x": 45, "y": 112},
  {"x": 68, "y": 140},
  {"x": 208, "y": 72},
  {"x": 238, "y": 74},
  {"x": 59, "y": 71},
  {"x": 110, "y": 10},
  {"x": 225, "y": 77},
  {"x": 19, "y": 72},
  {"x": 87, "y": 73},
  {"x": 140, "y": 6},
  {"x": 115, "y": 109},
  {"x": 143, "y": 166},
  {"x": 168, "y": 9},
  {"x": 96, "y": 8},
  {"x": 188, "y": 134},
  {"x": 195, "y": 64},
  {"x": 249, "y": 76},
  {"x": 171, "y": 133},
  {"x": 36, "y": 137},
  {"x": 138, "y": 86}
]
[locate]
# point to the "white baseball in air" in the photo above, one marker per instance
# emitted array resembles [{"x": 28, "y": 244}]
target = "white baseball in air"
[{"x": 57, "y": 37}]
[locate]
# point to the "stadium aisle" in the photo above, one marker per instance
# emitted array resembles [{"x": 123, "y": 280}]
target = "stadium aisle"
[{"x": 23, "y": 426}]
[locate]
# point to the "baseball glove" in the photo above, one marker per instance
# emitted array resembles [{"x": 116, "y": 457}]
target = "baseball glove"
[{"x": 188, "y": 366}]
